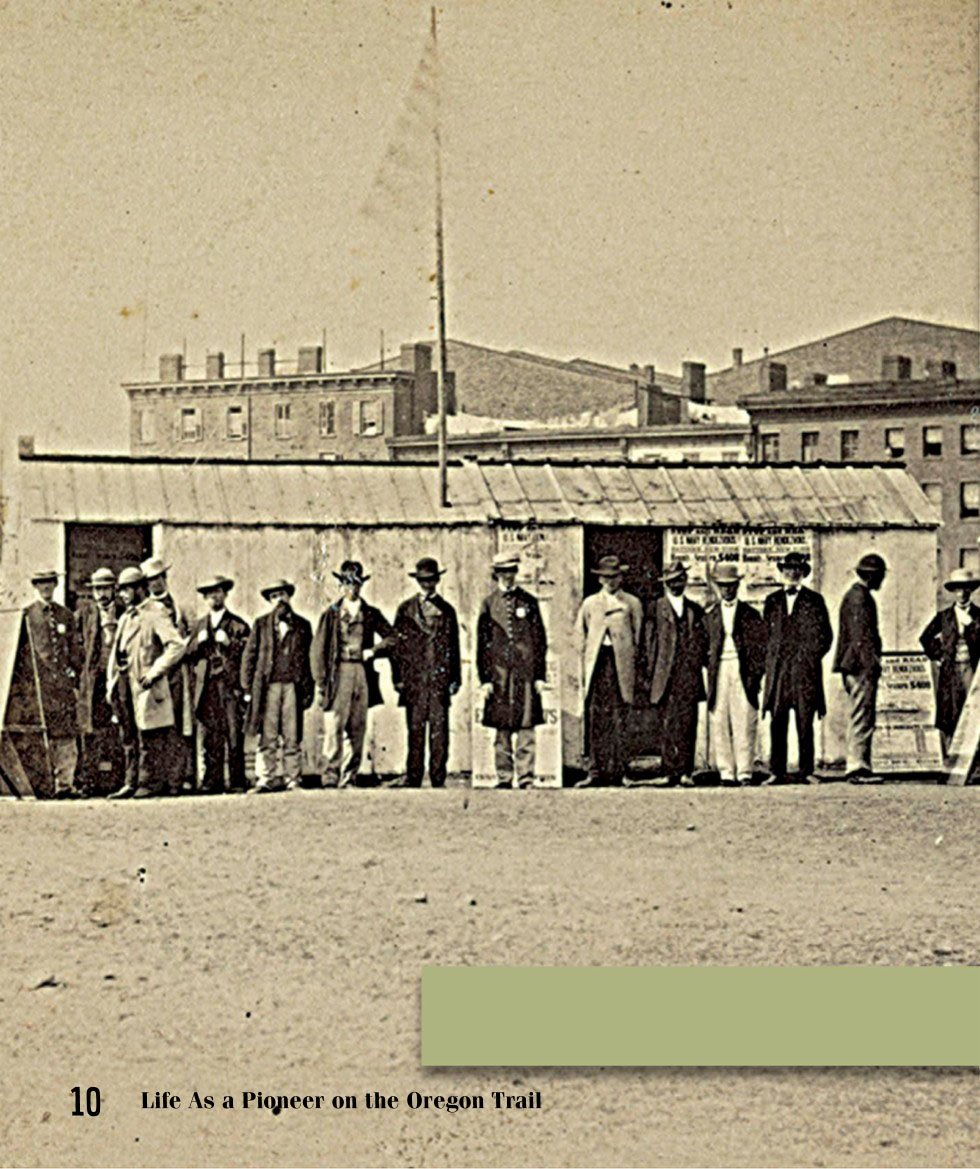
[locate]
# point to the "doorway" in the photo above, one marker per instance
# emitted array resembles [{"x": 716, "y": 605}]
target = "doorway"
[{"x": 92, "y": 546}]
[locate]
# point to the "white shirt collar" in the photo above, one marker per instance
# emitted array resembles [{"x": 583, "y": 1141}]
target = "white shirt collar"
[
  {"x": 351, "y": 608},
  {"x": 214, "y": 616},
  {"x": 676, "y": 603}
]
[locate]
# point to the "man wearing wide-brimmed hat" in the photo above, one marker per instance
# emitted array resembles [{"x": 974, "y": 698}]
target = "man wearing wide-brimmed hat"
[
  {"x": 217, "y": 643},
  {"x": 511, "y": 663},
  {"x": 130, "y": 591},
  {"x": 677, "y": 650},
  {"x": 609, "y": 628},
  {"x": 350, "y": 635},
  {"x": 858, "y": 661},
  {"x": 277, "y": 686},
  {"x": 952, "y": 639},
  {"x": 425, "y": 668},
  {"x": 100, "y": 766},
  {"x": 799, "y": 638},
  {"x": 736, "y": 661}
]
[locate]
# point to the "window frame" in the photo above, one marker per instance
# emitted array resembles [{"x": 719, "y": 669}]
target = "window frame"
[
  {"x": 197, "y": 433},
  {"x": 238, "y": 410},
  {"x": 328, "y": 411},
  {"x": 846, "y": 435},
  {"x": 809, "y": 453},
  {"x": 282, "y": 420},
  {"x": 892, "y": 452},
  {"x": 969, "y": 511},
  {"x": 964, "y": 450},
  {"x": 935, "y": 453}
]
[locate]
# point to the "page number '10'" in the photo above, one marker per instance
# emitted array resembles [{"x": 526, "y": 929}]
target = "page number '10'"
[{"x": 93, "y": 1102}]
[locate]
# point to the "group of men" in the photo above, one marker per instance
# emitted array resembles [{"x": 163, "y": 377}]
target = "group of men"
[{"x": 130, "y": 677}]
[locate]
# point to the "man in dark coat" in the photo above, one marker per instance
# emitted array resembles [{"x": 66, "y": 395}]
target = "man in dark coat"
[
  {"x": 511, "y": 653},
  {"x": 736, "y": 661},
  {"x": 677, "y": 652},
  {"x": 101, "y": 764},
  {"x": 952, "y": 638},
  {"x": 217, "y": 643},
  {"x": 350, "y": 635},
  {"x": 800, "y": 637},
  {"x": 858, "y": 661},
  {"x": 50, "y": 661},
  {"x": 425, "y": 667},
  {"x": 277, "y": 687}
]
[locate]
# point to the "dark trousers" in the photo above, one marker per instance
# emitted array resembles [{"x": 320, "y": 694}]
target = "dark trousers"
[
  {"x": 777, "y": 743},
  {"x": 221, "y": 738},
  {"x": 128, "y": 734},
  {"x": 608, "y": 726},
  {"x": 427, "y": 710},
  {"x": 156, "y": 759},
  {"x": 100, "y": 765},
  {"x": 678, "y": 730}
]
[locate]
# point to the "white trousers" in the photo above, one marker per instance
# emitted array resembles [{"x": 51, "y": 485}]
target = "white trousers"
[{"x": 732, "y": 724}]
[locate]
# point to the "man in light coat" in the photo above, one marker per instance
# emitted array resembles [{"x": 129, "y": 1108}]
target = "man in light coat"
[
  {"x": 183, "y": 756},
  {"x": 609, "y": 628},
  {"x": 858, "y": 661}
]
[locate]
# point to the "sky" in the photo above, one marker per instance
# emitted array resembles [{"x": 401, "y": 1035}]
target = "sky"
[{"x": 647, "y": 182}]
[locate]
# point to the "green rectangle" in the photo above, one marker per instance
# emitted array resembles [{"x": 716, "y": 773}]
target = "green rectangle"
[{"x": 815, "y": 1016}]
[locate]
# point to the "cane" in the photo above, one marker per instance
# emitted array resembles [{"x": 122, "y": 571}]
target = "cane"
[{"x": 40, "y": 699}]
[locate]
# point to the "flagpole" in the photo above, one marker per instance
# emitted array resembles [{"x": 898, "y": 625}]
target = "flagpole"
[{"x": 440, "y": 299}]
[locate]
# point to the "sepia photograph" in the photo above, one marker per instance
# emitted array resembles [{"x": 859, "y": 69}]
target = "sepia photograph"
[{"x": 489, "y": 489}]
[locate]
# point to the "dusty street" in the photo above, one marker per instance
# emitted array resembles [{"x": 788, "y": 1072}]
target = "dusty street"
[{"x": 274, "y": 945}]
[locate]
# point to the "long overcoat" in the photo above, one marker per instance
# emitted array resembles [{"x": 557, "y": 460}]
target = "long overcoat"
[
  {"x": 797, "y": 645},
  {"x": 425, "y": 659},
  {"x": 511, "y": 654},
  {"x": 673, "y": 663},
  {"x": 621, "y": 616},
  {"x": 749, "y": 636},
  {"x": 54, "y": 638},
  {"x": 90, "y": 654},
  {"x": 325, "y": 656},
  {"x": 939, "y": 640},
  {"x": 153, "y": 648},
  {"x": 257, "y": 663},
  {"x": 858, "y": 638}
]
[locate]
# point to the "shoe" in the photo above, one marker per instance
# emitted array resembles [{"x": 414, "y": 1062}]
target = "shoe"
[
  {"x": 589, "y": 781},
  {"x": 123, "y": 793},
  {"x": 664, "y": 781},
  {"x": 743, "y": 780},
  {"x": 864, "y": 777},
  {"x": 687, "y": 781},
  {"x": 262, "y": 789},
  {"x": 504, "y": 783},
  {"x": 145, "y": 793},
  {"x": 811, "y": 779},
  {"x": 67, "y": 793},
  {"x": 772, "y": 780},
  {"x": 728, "y": 781}
]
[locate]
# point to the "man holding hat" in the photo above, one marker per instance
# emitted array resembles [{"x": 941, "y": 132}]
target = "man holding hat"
[
  {"x": 799, "y": 638},
  {"x": 425, "y": 668},
  {"x": 736, "y": 661},
  {"x": 952, "y": 638},
  {"x": 511, "y": 653},
  {"x": 677, "y": 650},
  {"x": 350, "y": 635},
  {"x": 217, "y": 644},
  {"x": 858, "y": 661},
  {"x": 46, "y": 668},
  {"x": 97, "y": 619},
  {"x": 609, "y": 627},
  {"x": 277, "y": 687}
]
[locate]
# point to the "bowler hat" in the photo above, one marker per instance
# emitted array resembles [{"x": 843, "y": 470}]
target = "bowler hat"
[
  {"x": 153, "y": 567},
  {"x": 726, "y": 574},
  {"x": 279, "y": 586},
  {"x": 870, "y": 563},
  {"x": 506, "y": 562},
  {"x": 795, "y": 560},
  {"x": 427, "y": 569},
  {"x": 610, "y": 566},
  {"x": 674, "y": 571},
  {"x": 102, "y": 576},
  {"x": 130, "y": 576},
  {"x": 217, "y": 581},
  {"x": 43, "y": 575},
  {"x": 352, "y": 572},
  {"x": 961, "y": 578}
]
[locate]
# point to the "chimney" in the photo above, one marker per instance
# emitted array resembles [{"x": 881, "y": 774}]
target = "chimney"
[
  {"x": 267, "y": 363},
  {"x": 895, "y": 368},
  {"x": 937, "y": 369},
  {"x": 310, "y": 359},
  {"x": 172, "y": 367},
  {"x": 25, "y": 445},
  {"x": 772, "y": 377},
  {"x": 416, "y": 358},
  {"x": 814, "y": 379},
  {"x": 215, "y": 367},
  {"x": 737, "y": 356},
  {"x": 692, "y": 381}
]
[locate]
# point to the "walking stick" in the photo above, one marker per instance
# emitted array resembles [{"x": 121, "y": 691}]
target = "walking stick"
[{"x": 40, "y": 700}]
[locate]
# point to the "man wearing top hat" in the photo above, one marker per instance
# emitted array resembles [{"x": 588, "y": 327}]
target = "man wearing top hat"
[
  {"x": 350, "y": 635},
  {"x": 425, "y": 668},
  {"x": 952, "y": 639},
  {"x": 736, "y": 662},
  {"x": 799, "y": 638},
  {"x": 215, "y": 652},
  {"x": 511, "y": 663},
  {"x": 277, "y": 687},
  {"x": 858, "y": 661},
  {"x": 677, "y": 649},
  {"x": 609, "y": 628},
  {"x": 97, "y": 618},
  {"x": 46, "y": 672}
]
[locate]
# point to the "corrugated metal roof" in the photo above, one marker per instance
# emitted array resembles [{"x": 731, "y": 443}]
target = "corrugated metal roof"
[{"x": 76, "y": 489}]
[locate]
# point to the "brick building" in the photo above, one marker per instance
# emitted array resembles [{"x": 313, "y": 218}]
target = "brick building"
[{"x": 932, "y": 425}]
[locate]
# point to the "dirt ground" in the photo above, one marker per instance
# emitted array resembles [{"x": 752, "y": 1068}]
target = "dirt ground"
[{"x": 274, "y": 944}]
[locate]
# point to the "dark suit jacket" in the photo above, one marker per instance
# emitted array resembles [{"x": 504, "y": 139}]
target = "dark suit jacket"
[
  {"x": 90, "y": 654},
  {"x": 54, "y": 638},
  {"x": 213, "y": 659},
  {"x": 257, "y": 665},
  {"x": 749, "y": 635},
  {"x": 858, "y": 639},
  {"x": 676, "y": 663},
  {"x": 795, "y": 651},
  {"x": 511, "y": 654},
  {"x": 939, "y": 640},
  {"x": 325, "y": 656},
  {"x": 425, "y": 659}
]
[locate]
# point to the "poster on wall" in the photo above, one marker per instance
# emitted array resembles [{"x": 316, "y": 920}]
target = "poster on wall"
[
  {"x": 547, "y": 737},
  {"x": 755, "y": 551},
  {"x": 905, "y": 737},
  {"x": 537, "y": 549}
]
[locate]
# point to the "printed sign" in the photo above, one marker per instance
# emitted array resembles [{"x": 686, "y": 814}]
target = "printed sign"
[
  {"x": 537, "y": 551},
  {"x": 905, "y": 738},
  {"x": 755, "y": 551},
  {"x": 547, "y": 737}
]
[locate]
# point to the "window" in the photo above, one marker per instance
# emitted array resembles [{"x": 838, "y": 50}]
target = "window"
[
  {"x": 235, "y": 423},
  {"x": 148, "y": 425},
  {"x": 849, "y": 445},
  {"x": 369, "y": 417},
  {"x": 970, "y": 439},
  {"x": 190, "y": 423},
  {"x": 969, "y": 501},
  {"x": 809, "y": 442},
  {"x": 932, "y": 442},
  {"x": 770, "y": 448},
  {"x": 934, "y": 493},
  {"x": 328, "y": 418},
  {"x": 970, "y": 558},
  {"x": 284, "y": 428},
  {"x": 731, "y": 456},
  {"x": 895, "y": 441}
]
